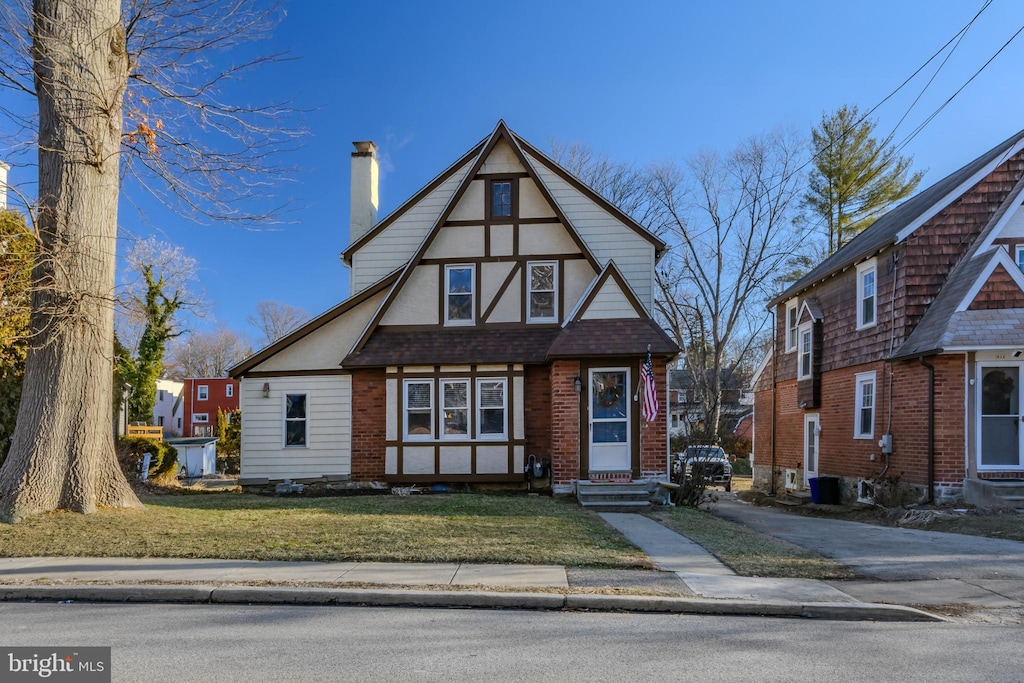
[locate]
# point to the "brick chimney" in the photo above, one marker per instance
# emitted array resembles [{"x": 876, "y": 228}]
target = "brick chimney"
[
  {"x": 4, "y": 168},
  {"x": 363, "y": 199}
]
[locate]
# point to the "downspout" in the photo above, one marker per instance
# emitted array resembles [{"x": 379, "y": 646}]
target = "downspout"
[
  {"x": 775, "y": 360},
  {"x": 931, "y": 427}
]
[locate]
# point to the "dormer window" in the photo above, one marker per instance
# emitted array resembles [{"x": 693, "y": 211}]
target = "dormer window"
[
  {"x": 459, "y": 299},
  {"x": 791, "y": 317},
  {"x": 501, "y": 198},
  {"x": 866, "y": 294}
]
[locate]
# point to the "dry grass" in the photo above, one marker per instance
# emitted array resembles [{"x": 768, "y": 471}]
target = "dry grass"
[
  {"x": 748, "y": 552},
  {"x": 433, "y": 528}
]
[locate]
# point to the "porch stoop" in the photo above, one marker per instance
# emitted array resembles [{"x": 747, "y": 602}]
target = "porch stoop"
[
  {"x": 608, "y": 496},
  {"x": 995, "y": 492}
]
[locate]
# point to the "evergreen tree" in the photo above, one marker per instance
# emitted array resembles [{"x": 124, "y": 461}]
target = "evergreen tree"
[
  {"x": 856, "y": 177},
  {"x": 17, "y": 245}
]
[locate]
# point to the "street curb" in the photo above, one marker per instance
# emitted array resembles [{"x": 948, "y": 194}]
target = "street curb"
[{"x": 207, "y": 594}]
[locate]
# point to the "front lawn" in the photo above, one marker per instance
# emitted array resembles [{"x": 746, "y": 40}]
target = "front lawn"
[{"x": 476, "y": 528}]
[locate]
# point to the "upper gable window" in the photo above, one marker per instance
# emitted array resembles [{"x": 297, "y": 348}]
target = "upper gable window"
[
  {"x": 542, "y": 278},
  {"x": 792, "y": 314},
  {"x": 501, "y": 198},
  {"x": 805, "y": 352},
  {"x": 1020, "y": 256},
  {"x": 867, "y": 299},
  {"x": 459, "y": 297}
]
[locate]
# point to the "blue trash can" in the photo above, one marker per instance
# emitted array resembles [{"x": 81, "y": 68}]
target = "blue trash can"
[{"x": 815, "y": 494}]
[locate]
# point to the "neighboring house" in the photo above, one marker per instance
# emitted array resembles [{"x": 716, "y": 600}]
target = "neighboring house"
[
  {"x": 168, "y": 410},
  {"x": 686, "y": 414},
  {"x": 900, "y": 357},
  {"x": 204, "y": 396},
  {"x": 502, "y": 312}
]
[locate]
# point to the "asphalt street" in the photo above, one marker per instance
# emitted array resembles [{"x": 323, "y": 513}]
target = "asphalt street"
[{"x": 228, "y": 643}]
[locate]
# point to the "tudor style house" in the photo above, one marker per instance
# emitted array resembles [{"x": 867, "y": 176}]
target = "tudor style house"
[
  {"x": 499, "y": 317},
  {"x": 899, "y": 359}
]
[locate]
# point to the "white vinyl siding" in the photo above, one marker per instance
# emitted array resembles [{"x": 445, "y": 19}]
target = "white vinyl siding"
[
  {"x": 329, "y": 427},
  {"x": 396, "y": 244},
  {"x": 606, "y": 237},
  {"x": 864, "y": 407},
  {"x": 609, "y": 302}
]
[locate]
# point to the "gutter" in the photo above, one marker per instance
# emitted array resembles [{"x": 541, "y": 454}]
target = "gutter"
[{"x": 931, "y": 427}]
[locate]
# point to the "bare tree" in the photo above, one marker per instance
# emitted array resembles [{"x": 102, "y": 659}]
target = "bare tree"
[
  {"x": 116, "y": 92},
  {"x": 732, "y": 229},
  {"x": 209, "y": 354},
  {"x": 274, "y": 320}
]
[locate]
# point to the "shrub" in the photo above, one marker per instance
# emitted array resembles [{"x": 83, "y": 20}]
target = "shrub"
[{"x": 162, "y": 466}]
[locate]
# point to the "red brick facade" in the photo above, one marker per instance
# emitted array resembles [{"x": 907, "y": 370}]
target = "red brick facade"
[
  {"x": 565, "y": 422},
  {"x": 654, "y": 435},
  {"x": 369, "y": 424}
]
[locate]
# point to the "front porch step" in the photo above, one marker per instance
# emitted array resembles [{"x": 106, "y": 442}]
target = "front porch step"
[
  {"x": 797, "y": 498},
  {"x": 618, "y": 496},
  {"x": 995, "y": 492}
]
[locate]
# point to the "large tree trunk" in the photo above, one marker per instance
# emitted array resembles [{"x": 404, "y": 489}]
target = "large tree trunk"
[{"x": 62, "y": 454}]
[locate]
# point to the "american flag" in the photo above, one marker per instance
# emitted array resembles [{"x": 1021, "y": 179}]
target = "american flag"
[{"x": 650, "y": 396}]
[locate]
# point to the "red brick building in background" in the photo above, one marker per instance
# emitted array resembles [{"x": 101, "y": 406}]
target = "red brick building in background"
[
  {"x": 898, "y": 361},
  {"x": 203, "y": 398}
]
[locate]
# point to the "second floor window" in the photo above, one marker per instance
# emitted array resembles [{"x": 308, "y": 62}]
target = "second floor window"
[
  {"x": 202, "y": 392},
  {"x": 866, "y": 294},
  {"x": 230, "y": 390},
  {"x": 805, "y": 352},
  {"x": 542, "y": 299},
  {"x": 792, "y": 314},
  {"x": 459, "y": 302}
]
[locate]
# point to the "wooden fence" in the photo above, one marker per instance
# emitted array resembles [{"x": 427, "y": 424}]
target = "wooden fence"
[{"x": 145, "y": 432}]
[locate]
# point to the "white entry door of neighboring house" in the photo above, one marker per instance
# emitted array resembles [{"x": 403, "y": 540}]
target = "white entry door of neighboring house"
[
  {"x": 999, "y": 415},
  {"x": 812, "y": 433},
  {"x": 609, "y": 419}
]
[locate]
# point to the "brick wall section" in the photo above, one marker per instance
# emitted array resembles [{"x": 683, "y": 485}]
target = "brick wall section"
[
  {"x": 1000, "y": 291},
  {"x": 844, "y": 456},
  {"x": 537, "y": 410},
  {"x": 654, "y": 435},
  {"x": 565, "y": 422},
  {"x": 369, "y": 406}
]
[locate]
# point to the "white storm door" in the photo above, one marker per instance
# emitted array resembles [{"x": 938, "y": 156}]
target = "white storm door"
[
  {"x": 609, "y": 419},
  {"x": 812, "y": 432},
  {"x": 1000, "y": 417}
]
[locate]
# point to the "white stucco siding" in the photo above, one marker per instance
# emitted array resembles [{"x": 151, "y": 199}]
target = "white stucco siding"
[
  {"x": 546, "y": 238},
  {"x": 492, "y": 276},
  {"x": 398, "y": 242},
  {"x": 324, "y": 348},
  {"x": 471, "y": 205},
  {"x": 532, "y": 203},
  {"x": 457, "y": 242},
  {"x": 578, "y": 276},
  {"x": 417, "y": 303},
  {"x": 606, "y": 236},
  {"x": 609, "y": 302},
  {"x": 329, "y": 414},
  {"x": 509, "y": 308},
  {"x": 502, "y": 160}
]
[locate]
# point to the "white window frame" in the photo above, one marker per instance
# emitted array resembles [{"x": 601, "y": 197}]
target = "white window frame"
[
  {"x": 503, "y": 436},
  {"x": 285, "y": 419},
  {"x": 530, "y": 318},
  {"x": 1018, "y": 253},
  {"x": 805, "y": 344},
  {"x": 405, "y": 410},
  {"x": 862, "y": 380},
  {"x": 792, "y": 325},
  {"x": 229, "y": 390},
  {"x": 469, "y": 408},
  {"x": 202, "y": 392},
  {"x": 864, "y": 269},
  {"x": 472, "y": 293},
  {"x": 200, "y": 418}
]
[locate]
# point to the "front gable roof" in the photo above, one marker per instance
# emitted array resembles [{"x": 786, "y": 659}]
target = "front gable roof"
[
  {"x": 899, "y": 223},
  {"x": 612, "y": 290}
]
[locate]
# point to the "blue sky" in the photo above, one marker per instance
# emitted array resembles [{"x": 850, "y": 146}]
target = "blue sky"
[{"x": 640, "y": 81}]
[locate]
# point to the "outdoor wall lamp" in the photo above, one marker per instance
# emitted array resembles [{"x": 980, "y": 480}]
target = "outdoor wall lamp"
[
  {"x": 577, "y": 384},
  {"x": 266, "y": 390}
]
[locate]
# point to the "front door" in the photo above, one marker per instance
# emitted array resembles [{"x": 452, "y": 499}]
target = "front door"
[
  {"x": 609, "y": 420},
  {"x": 812, "y": 433},
  {"x": 1000, "y": 416}
]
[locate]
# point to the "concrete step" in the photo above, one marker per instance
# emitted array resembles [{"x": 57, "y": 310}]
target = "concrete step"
[
  {"x": 613, "y": 496},
  {"x": 615, "y": 505}
]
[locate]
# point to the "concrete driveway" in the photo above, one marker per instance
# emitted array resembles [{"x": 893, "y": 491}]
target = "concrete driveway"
[{"x": 885, "y": 553}]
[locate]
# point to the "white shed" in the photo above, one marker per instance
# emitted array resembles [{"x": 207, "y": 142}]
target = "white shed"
[{"x": 197, "y": 455}]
